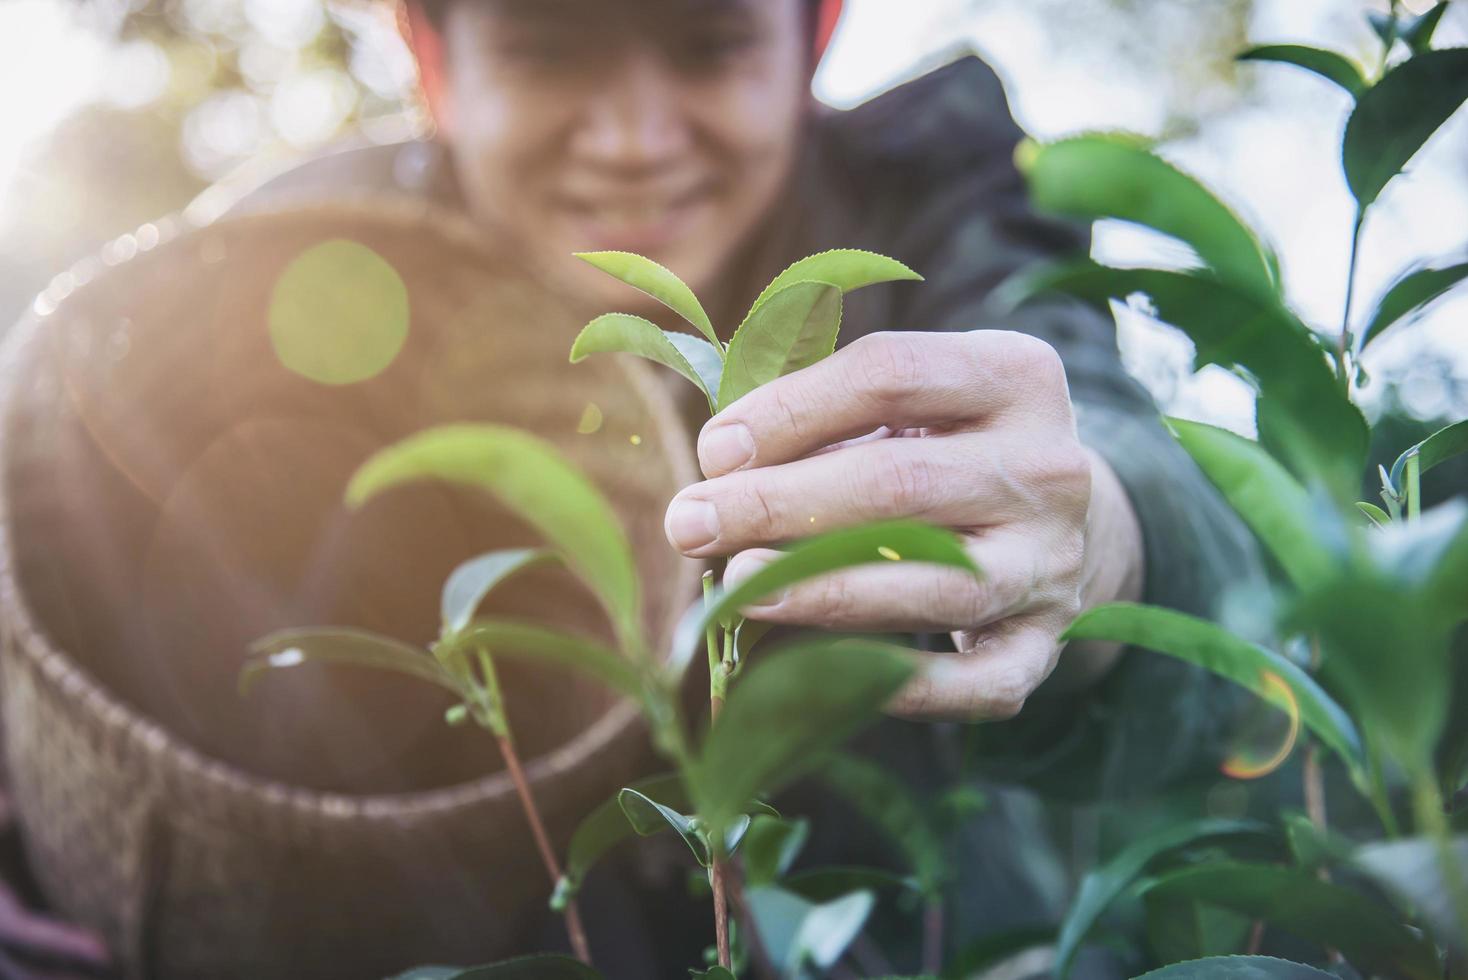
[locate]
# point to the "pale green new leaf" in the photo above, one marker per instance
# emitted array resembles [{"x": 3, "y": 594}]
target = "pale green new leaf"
[
  {"x": 531, "y": 478},
  {"x": 794, "y": 328},
  {"x": 1099, "y": 176},
  {"x": 789, "y": 709},
  {"x": 623, "y": 333},
  {"x": 1271, "y": 501},
  {"x": 1327, "y": 64},
  {"x": 288, "y": 648},
  {"x": 844, "y": 268},
  {"x": 1410, "y": 295},
  {"x": 1396, "y": 116},
  {"x": 1442, "y": 445},
  {"x": 1374, "y": 513},
  {"x": 1412, "y": 871},
  {"x": 795, "y": 932},
  {"x": 1102, "y": 885},
  {"x": 770, "y": 847},
  {"x": 471, "y": 581},
  {"x": 1215, "y": 649},
  {"x": 658, "y": 282},
  {"x": 527, "y": 641},
  {"x": 647, "y": 816}
]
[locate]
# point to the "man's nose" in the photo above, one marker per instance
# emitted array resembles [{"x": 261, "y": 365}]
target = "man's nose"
[{"x": 634, "y": 121}]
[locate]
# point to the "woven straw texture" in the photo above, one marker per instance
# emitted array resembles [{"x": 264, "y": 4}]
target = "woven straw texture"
[{"x": 170, "y": 491}]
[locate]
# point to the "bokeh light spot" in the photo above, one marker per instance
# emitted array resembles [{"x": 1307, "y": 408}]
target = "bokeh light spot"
[
  {"x": 1248, "y": 762},
  {"x": 339, "y": 313},
  {"x": 591, "y": 419},
  {"x": 635, "y": 439}
]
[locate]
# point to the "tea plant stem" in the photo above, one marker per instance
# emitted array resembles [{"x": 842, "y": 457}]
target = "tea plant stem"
[
  {"x": 1343, "y": 371},
  {"x": 717, "y": 680},
  {"x": 499, "y": 724},
  {"x": 1414, "y": 487},
  {"x": 1380, "y": 798}
]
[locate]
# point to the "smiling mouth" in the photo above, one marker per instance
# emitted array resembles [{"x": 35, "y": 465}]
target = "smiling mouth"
[{"x": 639, "y": 224}]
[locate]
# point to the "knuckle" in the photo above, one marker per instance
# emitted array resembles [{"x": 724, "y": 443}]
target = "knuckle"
[
  {"x": 889, "y": 482},
  {"x": 961, "y": 600},
  {"x": 756, "y": 507},
  {"x": 834, "y": 601},
  {"x": 890, "y": 365}
]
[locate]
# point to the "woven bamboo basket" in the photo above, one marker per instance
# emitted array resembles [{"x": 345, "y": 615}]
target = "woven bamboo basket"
[{"x": 169, "y": 491}]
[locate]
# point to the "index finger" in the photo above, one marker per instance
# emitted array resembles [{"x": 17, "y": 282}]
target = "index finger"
[{"x": 899, "y": 380}]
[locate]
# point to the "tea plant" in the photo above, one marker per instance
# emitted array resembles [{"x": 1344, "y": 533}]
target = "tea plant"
[
  {"x": 1370, "y": 604},
  {"x": 781, "y": 719}
]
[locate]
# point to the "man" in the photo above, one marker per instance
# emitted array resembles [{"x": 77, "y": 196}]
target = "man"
[{"x": 685, "y": 130}]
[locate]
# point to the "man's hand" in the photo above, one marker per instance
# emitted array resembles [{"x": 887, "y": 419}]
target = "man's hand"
[{"x": 973, "y": 431}]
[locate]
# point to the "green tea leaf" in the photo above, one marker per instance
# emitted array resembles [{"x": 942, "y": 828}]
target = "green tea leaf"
[
  {"x": 1101, "y": 887},
  {"x": 1418, "y": 31},
  {"x": 1098, "y": 176},
  {"x": 844, "y": 268},
  {"x": 906, "y": 539},
  {"x": 1442, "y": 445},
  {"x": 1374, "y": 513},
  {"x": 746, "y": 635},
  {"x": 1411, "y": 871},
  {"x": 788, "y": 710},
  {"x": 829, "y": 883},
  {"x": 607, "y": 826},
  {"x": 1238, "y": 968},
  {"x": 658, "y": 282},
  {"x": 623, "y": 333},
  {"x": 1315, "y": 847},
  {"x": 1273, "y": 504},
  {"x": 530, "y": 477},
  {"x": 1396, "y": 116},
  {"x": 888, "y": 803},
  {"x": 795, "y": 932},
  {"x": 794, "y": 328},
  {"x": 1409, "y": 296},
  {"x": 1366, "y": 933},
  {"x": 542, "y": 966},
  {"x": 1327, "y": 64},
  {"x": 1178, "y": 931},
  {"x": 288, "y": 648},
  {"x": 527, "y": 641},
  {"x": 647, "y": 816},
  {"x": 770, "y": 847},
  {"x": 1304, "y": 418},
  {"x": 1215, "y": 649},
  {"x": 474, "y": 579}
]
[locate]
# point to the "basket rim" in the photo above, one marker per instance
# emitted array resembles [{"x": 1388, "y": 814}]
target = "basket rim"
[{"x": 161, "y": 747}]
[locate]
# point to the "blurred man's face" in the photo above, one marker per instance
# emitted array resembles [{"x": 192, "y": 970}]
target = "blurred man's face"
[{"x": 665, "y": 127}]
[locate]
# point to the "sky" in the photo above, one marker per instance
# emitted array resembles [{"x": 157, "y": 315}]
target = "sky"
[{"x": 1272, "y": 152}]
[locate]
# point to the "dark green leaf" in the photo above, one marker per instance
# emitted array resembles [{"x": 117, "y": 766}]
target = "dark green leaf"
[
  {"x": 796, "y": 932},
  {"x": 1409, "y": 296},
  {"x": 1446, "y": 589},
  {"x": 526, "y": 641},
  {"x": 888, "y": 803},
  {"x": 1100, "y": 176},
  {"x": 748, "y": 633},
  {"x": 1262, "y": 492},
  {"x": 787, "y": 711},
  {"x": 469, "y": 583},
  {"x": 902, "y": 540},
  {"x": 543, "y": 966},
  {"x": 284, "y": 649},
  {"x": 531, "y": 478},
  {"x": 658, "y": 282},
  {"x": 607, "y": 826},
  {"x": 1192, "y": 930},
  {"x": 794, "y": 328},
  {"x": 712, "y": 973},
  {"x": 1418, "y": 31},
  {"x": 647, "y": 816},
  {"x": 1442, "y": 445},
  {"x": 1101, "y": 886},
  {"x": 623, "y": 333},
  {"x": 824, "y": 884},
  {"x": 1327, "y": 64},
  {"x": 1315, "y": 847},
  {"x": 770, "y": 846},
  {"x": 1411, "y": 870},
  {"x": 983, "y": 955},
  {"x": 1238, "y": 968},
  {"x": 1305, "y": 420},
  {"x": 844, "y": 268},
  {"x": 1214, "y": 648},
  {"x": 1365, "y": 932},
  {"x": 1397, "y": 115}
]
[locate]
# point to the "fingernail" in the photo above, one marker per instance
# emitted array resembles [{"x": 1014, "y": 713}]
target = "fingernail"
[
  {"x": 745, "y": 567},
  {"x": 691, "y": 524},
  {"x": 725, "y": 447}
]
